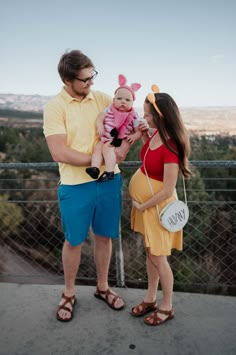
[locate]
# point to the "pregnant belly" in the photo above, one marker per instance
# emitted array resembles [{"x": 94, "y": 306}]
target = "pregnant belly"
[
  {"x": 140, "y": 191},
  {"x": 138, "y": 187}
]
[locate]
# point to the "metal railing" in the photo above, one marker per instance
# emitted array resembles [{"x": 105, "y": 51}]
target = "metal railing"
[{"x": 31, "y": 235}]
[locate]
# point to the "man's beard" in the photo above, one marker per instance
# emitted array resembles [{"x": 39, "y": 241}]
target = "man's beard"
[{"x": 80, "y": 93}]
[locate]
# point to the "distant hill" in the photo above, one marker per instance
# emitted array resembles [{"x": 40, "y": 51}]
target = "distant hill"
[
  {"x": 201, "y": 120},
  {"x": 210, "y": 120},
  {"x": 31, "y": 103}
]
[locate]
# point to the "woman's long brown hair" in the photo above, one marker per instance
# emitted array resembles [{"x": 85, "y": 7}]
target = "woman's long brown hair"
[{"x": 171, "y": 126}]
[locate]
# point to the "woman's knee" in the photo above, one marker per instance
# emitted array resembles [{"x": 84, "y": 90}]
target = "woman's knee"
[{"x": 158, "y": 260}]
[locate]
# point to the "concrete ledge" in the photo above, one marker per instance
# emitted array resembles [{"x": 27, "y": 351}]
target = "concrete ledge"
[{"x": 203, "y": 324}]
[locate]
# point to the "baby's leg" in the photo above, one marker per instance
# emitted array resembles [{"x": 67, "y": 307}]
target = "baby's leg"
[
  {"x": 109, "y": 157},
  {"x": 96, "y": 161},
  {"x": 97, "y": 157}
]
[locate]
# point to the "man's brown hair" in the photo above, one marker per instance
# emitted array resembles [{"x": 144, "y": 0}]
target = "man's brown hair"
[{"x": 71, "y": 62}]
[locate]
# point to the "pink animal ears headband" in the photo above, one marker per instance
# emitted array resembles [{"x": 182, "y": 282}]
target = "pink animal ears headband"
[
  {"x": 152, "y": 99},
  {"x": 132, "y": 88}
]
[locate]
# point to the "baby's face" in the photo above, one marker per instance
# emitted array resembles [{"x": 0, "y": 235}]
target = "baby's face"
[{"x": 123, "y": 100}]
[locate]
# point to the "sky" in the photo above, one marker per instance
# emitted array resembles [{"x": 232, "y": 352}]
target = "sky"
[{"x": 186, "y": 47}]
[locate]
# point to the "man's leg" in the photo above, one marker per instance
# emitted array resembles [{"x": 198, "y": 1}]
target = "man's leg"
[
  {"x": 77, "y": 203},
  {"x": 106, "y": 223},
  {"x": 71, "y": 260},
  {"x": 102, "y": 257}
]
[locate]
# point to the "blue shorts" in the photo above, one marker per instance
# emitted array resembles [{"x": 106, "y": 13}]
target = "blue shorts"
[{"x": 91, "y": 204}]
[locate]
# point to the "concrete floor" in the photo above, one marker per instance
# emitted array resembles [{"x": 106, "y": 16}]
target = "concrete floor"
[{"x": 203, "y": 324}]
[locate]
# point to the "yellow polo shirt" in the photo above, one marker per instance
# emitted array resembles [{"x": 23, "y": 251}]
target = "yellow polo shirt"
[{"x": 64, "y": 114}]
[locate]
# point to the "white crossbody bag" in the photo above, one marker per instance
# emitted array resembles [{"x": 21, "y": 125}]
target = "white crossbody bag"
[{"x": 175, "y": 214}]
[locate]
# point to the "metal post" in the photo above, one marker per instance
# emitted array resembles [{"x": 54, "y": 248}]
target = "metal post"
[{"x": 120, "y": 273}]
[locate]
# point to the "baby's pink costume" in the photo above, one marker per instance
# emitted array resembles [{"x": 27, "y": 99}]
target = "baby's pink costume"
[{"x": 124, "y": 122}]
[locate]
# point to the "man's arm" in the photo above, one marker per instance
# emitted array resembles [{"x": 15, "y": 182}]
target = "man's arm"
[
  {"x": 133, "y": 137},
  {"x": 60, "y": 152}
]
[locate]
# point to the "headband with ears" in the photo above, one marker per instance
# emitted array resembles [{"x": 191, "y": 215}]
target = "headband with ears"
[
  {"x": 132, "y": 88},
  {"x": 152, "y": 99}
]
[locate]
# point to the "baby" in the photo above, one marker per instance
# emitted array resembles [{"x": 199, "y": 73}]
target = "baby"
[{"x": 118, "y": 121}]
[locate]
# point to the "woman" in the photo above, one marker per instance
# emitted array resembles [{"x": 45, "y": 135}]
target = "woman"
[{"x": 164, "y": 155}]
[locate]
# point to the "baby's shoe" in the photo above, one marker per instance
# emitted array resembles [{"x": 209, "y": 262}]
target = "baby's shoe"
[{"x": 93, "y": 172}]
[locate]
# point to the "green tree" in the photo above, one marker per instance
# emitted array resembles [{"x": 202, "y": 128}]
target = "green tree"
[
  {"x": 10, "y": 216},
  {"x": 30, "y": 147}
]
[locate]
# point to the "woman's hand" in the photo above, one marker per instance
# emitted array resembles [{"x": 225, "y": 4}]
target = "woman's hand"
[
  {"x": 138, "y": 205},
  {"x": 144, "y": 129},
  {"x": 143, "y": 126}
]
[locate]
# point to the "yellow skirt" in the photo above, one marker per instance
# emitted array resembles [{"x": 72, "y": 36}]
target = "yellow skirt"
[{"x": 157, "y": 238}]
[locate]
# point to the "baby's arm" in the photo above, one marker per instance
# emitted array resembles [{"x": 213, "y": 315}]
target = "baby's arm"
[{"x": 100, "y": 124}]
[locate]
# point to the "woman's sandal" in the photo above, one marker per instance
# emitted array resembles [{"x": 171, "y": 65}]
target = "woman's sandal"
[
  {"x": 143, "y": 308},
  {"x": 100, "y": 295},
  {"x": 153, "y": 319},
  {"x": 68, "y": 300}
]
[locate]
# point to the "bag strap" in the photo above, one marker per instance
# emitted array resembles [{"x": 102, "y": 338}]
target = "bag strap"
[{"x": 150, "y": 185}]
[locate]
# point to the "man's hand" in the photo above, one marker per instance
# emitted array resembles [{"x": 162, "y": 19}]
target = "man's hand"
[
  {"x": 100, "y": 124},
  {"x": 122, "y": 151},
  {"x": 100, "y": 130},
  {"x": 131, "y": 138}
]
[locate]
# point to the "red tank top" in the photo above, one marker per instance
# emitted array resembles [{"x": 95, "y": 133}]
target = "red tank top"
[{"x": 155, "y": 159}]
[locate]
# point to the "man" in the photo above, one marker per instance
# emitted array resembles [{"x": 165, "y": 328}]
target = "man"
[{"x": 70, "y": 131}]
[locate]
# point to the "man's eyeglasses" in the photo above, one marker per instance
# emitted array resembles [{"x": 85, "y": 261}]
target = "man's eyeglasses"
[{"x": 88, "y": 79}]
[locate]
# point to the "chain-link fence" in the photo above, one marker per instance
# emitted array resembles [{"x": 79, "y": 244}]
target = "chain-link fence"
[{"x": 31, "y": 235}]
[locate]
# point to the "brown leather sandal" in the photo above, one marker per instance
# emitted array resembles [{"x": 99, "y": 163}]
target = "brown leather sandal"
[
  {"x": 153, "y": 319},
  {"x": 143, "y": 308},
  {"x": 98, "y": 294},
  {"x": 71, "y": 300}
]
